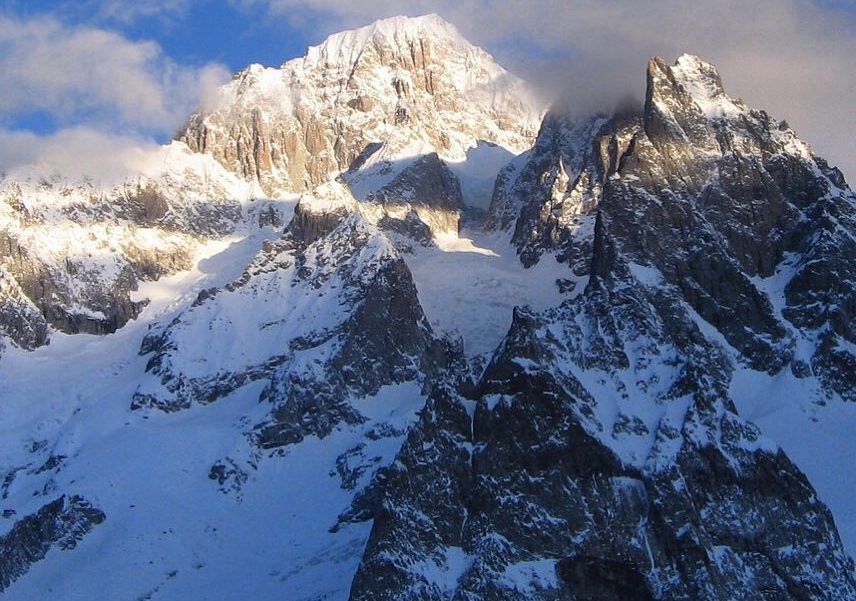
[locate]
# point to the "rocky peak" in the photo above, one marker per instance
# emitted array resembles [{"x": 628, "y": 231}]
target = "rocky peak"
[
  {"x": 552, "y": 189},
  {"x": 682, "y": 100},
  {"x": 411, "y": 85},
  {"x": 716, "y": 196},
  {"x": 348, "y": 48},
  {"x": 691, "y": 77}
]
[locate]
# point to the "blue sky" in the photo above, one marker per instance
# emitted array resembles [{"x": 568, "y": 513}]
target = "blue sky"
[
  {"x": 235, "y": 33},
  {"x": 191, "y": 34},
  {"x": 137, "y": 68},
  {"x": 222, "y": 32}
]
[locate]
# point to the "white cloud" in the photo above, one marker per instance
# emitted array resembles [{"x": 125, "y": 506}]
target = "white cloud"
[
  {"x": 75, "y": 153},
  {"x": 91, "y": 80},
  {"x": 790, "y": 57},
  {"x": 127, "y": 12},
  {"x": 91, "y": 75}
]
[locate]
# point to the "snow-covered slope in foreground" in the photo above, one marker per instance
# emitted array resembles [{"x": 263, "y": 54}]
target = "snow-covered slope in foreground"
[{"x": 171, "y": 533}]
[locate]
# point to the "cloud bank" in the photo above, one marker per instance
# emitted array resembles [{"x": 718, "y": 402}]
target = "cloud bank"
[
  {"x": 90, "y": 81},
  {"x": 94, "y": 75},
  {"x": 793, "y": 58},
  {"x": 75, "y": 153}
]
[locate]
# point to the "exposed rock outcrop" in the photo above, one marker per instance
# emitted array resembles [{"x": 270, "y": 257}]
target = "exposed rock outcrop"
[
  {"x": 601, "y": 455},
  {"x": 347, "y": 322},
  {"x": 74, "y": 251},
  {"x": 59, "y": 524},
  {"x": 728, "y": 206}
]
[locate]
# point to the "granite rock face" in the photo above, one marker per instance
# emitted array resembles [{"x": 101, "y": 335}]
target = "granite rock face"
[
  {"x": 20, "y": 319},
  {"x": 725, "y": 203},
  {"x": 428, "y": 191},
  {"x": 600, "y": 456},
  {"x": 413, "y": 204},
  {"x": 398, "y": 84}
]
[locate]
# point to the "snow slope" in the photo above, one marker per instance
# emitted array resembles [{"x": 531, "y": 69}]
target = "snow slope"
[
  {"x": 171, "y": 533},
  {"x": 469, "y": 286}
]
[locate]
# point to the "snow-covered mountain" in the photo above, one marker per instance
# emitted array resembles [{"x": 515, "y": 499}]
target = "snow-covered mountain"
[
  {"x": 633, "y": 381},
  {"x": 72, "y": 252},
  {"x": 378, "y": 95},
  {"x": 602, "y": 454}
]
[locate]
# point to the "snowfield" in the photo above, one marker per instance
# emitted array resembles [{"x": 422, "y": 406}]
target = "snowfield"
[
  {"x": 171, "y": 533},
  {"x": 469, "y": 286}
]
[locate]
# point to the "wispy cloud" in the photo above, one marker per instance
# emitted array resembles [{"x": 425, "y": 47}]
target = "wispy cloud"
[
  {"x": 123, "y": 11},
  {"x": 75, "y": 153},
  {"x": 91, "y": 75}
]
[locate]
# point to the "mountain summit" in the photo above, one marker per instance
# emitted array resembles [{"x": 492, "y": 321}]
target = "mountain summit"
[{"x": 400, "y": 87}]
